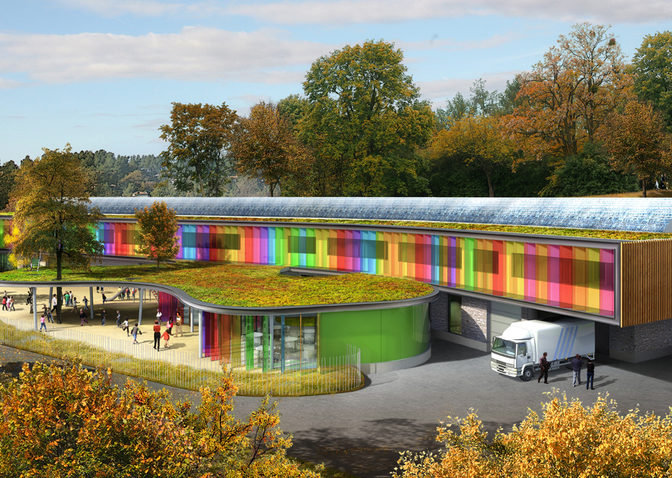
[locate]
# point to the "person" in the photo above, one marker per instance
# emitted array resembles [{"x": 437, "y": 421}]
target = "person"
[
  {"x": 169, "y": 327},
  {"x": 134, "y": 332},
  {"x": 82, "y": 317},
  {"x": 124, "y": 326},
  {"x": 104, "y": 298},
  {"x": 43, "y": 325},
  {"x": 178, "y": 323},
  {"x": 73, "y": 302},
  {"x": 135, "y": 290},
  {"x": 157, "y": 335},
  {"x": 576, "y": 370},
  {"x": 118, "y": 319},
  {"x": 4, "y": 302},
  {"x": 103, "y": 317},
  {"x": 54, "y": 303},
  {"x": 158, "y": 315},
  {"x": 66, "y": 298},
  {"x": 590, "y": 374},
  {"x": 10, "y": 303},
  {"x": 86, "y": 303},
  {"x": 544, "y": 365},
  {"x": 166, "y": 338}
]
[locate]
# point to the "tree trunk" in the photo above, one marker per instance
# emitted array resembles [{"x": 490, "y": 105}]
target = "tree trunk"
[
  {"x": 491, "y": 189},
  {"x": 644, "y": 188}
]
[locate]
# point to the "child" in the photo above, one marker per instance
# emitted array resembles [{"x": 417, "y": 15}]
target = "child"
[
  {"x": 42, "y": 324},
  {"x": 134, "y": 332},
  {"x": 166, "y": 338},
  {"x": 124, "y": 326}
]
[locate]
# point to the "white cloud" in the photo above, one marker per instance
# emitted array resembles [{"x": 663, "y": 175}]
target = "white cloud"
[
  {"x": 438, "y": 91},
  {"x": 110, "y": 8},
  {"x": 384, "y": 11},
  {"x": 195, "y": 53},
  {"x": 6, "y": 83}
]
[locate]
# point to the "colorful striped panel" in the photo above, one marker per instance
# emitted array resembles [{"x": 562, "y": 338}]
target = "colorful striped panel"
[{"x": 570, "y": 277}]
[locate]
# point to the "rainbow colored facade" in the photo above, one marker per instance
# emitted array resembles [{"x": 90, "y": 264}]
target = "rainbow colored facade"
[{"x": 575, "y": 275}]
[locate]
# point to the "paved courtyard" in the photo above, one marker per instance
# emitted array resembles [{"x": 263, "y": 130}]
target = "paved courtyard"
[{"x": 362, "y": 432}]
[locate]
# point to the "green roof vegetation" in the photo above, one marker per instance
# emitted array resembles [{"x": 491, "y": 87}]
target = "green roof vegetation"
[{"x": 243, "y": 285}]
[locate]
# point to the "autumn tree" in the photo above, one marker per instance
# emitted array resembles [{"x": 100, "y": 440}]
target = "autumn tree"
[
  {"x": 652, "y": 71},
  {"x": 264, "y": 146},
  {"x": 157, "y": 226},
  {"x": 53, "y": 213},
  {"x": 365, "y": 122},
  {"x": 638, "y": 143},
  {"x": 567, "y": 440},
  {"x": 65, "y": 421},
  {"x": 199, "y": 138},
  {"x": 477, "y": 141},
  {"x": 568, "y": 95}
]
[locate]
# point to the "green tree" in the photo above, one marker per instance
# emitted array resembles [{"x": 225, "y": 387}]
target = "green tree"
[
  {"x": 652, "y": 70},
  {"x": 157, "y": 232},
  {"x": 199, "y": 138},
  {"x": 365, "y": 123},
  {"x": 587, "y": 174},
  {"x": 7, "y": 181},
  {"x": 52, "y": 211},
  {"x": 264, "y": 146}
]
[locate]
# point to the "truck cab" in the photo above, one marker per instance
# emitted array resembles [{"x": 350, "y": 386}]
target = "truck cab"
[{"x": 513, "y": 356}]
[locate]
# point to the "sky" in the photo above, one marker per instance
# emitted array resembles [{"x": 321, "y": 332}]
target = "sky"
[{"x": 102, "y": 74}]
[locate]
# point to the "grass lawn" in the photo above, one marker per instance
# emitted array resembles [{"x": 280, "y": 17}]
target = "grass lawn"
[{"x": 244, "y": 285}]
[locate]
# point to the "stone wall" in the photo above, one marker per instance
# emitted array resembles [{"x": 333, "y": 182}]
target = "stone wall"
[
  {"x": 439, "y": 313},
  {"x": 641, "y": 342},
  {"x": 475, "y": 319}
]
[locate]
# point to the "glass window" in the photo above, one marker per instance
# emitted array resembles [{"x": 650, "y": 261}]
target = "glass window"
[
  {"x": 503, "y": 347},
  {"x": 522, "y": 349}
]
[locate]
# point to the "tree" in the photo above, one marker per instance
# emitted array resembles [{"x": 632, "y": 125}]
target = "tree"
[
  {"x": 365, "y": 122},
  {"x": 199, "y": 138},
  {"x": 567, "y": 96},
  {"x": 157, "y": 232},
  {"x": 567, "y": 440},
  {"x": 638, "y": 143},
  {"x": 65, "y": 421},
  {"x": 52, "y": 211},
  {"x": 265, "y": 146},
  {"x": 478, "y": 140},
  {"x": 7, "y": 181},
  {"x": 652, "y": 71}
]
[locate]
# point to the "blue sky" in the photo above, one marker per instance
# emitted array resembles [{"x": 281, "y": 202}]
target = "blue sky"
[{"x": 101, "y": 74}]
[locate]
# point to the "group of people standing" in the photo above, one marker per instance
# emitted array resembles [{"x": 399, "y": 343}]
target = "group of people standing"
[
  {"x": 7, "y": 302},
  {"x": 168, "y": 332},
  {"x": 577, "y": 364}
]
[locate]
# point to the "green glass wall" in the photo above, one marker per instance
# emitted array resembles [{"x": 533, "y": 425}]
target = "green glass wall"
[{"x": 382, "y": 335}]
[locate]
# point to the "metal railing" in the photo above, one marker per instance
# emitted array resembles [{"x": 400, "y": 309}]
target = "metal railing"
[{"x": 182, "y": 369}]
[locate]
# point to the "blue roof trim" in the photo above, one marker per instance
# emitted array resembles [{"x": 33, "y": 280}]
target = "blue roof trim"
[{"x": 623, "y": 214}]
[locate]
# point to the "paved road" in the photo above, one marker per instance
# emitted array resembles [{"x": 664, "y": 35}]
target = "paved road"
[{"x": 362, "y": 432}]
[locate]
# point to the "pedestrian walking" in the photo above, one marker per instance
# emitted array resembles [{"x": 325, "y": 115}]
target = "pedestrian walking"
[
  {"x": 544, "y": 365},
  {"x": 104, "y": 298},
  {"x": 118, "y": 319},
  {"x": 73, "y": 301},
  {"x": 10, "y": 302},
  {"x": 103, "y": 317},
  {"x": 54, "y": 303},
  {"x": 86, "y": 303},
  {"x": 576, "y": 370},
  {"x": 158, "y": 315},
  {"x": 124, "y": 326},
  {"x": 134, "y": 332},
  {"x": 82, "y": 318},
  {"x": 43, "y": 325},
  {"x": 157, "y": 335},
  {"x": 169, "y": 327},
  {"x": 178, "y": 324},
  {"x": 135, "y": 290},
  {"x": 590, "y": 374}
]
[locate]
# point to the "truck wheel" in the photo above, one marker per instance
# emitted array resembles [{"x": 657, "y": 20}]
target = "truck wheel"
[{"x": 527, "y": 375}]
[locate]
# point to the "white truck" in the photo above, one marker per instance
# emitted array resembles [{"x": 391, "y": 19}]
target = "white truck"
[{"x": 517, "y": 351}]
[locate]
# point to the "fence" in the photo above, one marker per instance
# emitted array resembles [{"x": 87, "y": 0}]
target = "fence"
[{"x": 182, "y": 369}]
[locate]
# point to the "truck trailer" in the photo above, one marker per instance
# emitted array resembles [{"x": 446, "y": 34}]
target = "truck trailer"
[{"x": 517, "y": 351}]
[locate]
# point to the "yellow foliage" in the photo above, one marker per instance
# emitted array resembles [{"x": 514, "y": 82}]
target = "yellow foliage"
[{"x": 566, "y": 440}]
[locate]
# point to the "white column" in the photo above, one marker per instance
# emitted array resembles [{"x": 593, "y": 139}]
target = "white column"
[
  {"x": 191, "y": 319},
  {"x": 33, "y": 291},
  {"x": 200, "y": 333},
  {"x": 142, "y": 296}
]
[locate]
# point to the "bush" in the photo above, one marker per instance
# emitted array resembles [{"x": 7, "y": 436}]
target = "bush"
[{"x": 567, "y": 440}]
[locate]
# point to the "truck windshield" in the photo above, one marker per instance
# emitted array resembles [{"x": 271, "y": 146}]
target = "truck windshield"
[{"x": 504, "y": 347}]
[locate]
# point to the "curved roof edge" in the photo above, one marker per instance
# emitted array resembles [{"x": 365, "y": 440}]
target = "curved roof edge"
[
  {"x": 621, "y": 214},
  {"x": 237, "y": 310}
]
